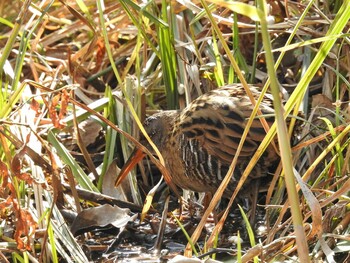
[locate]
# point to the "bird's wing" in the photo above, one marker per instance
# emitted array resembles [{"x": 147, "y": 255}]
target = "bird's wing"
[{"x": 217, "y": 120}]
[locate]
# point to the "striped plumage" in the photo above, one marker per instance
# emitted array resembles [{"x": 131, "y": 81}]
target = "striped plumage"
[{"x": 199, "y": 142}]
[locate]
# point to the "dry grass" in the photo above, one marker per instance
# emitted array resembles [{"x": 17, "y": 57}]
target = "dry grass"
[{"x": 74, "y": 78}]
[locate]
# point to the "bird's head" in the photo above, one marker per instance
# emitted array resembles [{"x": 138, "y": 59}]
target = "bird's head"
[{"x": 159, "y": 127}]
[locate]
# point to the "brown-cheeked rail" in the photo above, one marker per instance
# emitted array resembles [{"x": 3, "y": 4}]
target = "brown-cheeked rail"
[{"x": 199, "y": 142}]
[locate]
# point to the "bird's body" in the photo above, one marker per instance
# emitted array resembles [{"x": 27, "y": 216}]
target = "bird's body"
[{"x": 199, "y": 142}]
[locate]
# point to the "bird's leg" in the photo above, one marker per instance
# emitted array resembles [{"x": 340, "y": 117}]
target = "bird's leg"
[{"x": 253, "y": 199}]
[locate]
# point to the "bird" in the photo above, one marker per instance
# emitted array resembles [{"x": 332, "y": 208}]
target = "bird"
[{"x": 199, "y": 142}]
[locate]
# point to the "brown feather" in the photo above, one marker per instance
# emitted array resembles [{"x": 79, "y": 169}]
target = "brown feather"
[{"x": 200, "y": 142}]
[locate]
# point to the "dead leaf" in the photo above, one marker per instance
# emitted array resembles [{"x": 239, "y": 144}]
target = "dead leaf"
[
  {"x": 122, "y": 192},
  {"x": 89, "y": 130},
  {"x": 101, "y": 216},
  {"x": 321, "y": 100}
]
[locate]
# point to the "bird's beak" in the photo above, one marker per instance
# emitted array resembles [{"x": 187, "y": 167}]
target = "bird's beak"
[{"x": 136, "y": 156}]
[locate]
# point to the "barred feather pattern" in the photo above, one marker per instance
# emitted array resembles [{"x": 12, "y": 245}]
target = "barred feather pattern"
[{"x": 200, "y": 142}]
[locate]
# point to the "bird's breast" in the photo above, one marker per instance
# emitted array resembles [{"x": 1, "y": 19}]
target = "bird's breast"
[{"x": 192, "y": 167}]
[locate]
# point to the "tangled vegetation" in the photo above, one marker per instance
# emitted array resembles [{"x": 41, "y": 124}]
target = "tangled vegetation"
[{"x": 77, "y": 79}]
